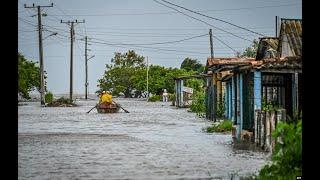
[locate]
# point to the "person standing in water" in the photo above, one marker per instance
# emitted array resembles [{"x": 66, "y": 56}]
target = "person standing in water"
[{"x": 165, "y": 96}]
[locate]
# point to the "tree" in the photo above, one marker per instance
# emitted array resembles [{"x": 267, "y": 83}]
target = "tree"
[
  {"x": 192, "y": 65},
  {"x": 28, "y": 76},
  {"x": 119, "y": 76},
  {"x": 127, "y": 75},
  {"x": 250, "y": 51}
]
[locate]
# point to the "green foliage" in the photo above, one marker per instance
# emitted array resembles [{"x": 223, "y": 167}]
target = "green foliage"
[
  {"x": 221, "y": 108},
  {"x": 250, "y": 51},
  {"x": 62, "y": 102},
  {"x": 128, "y": 72},
  {"x": 154, "y": 98},
  {"x": 269, "y": 106},
  {"x": 119, "y": 75},
  {"x": 28, "y": 76},
  {"x": 195, "y": 84},
  {"x": 48, "y": 97},
  {"x": 287, "y": 157},
  {"x": 223, "y": 126},
  {"x": 192, "y": 65},
  {"x": 198, "y": 103},
  {"x": 171, "y": 97}
]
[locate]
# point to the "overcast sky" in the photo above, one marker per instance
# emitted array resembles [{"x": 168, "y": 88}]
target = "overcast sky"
[{"x": 113, "y": 22}]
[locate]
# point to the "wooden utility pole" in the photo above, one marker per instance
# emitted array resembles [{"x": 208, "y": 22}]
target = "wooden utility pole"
[
  {"x": 211, "y": 44},
  {"x": 276, "y": 26},
  {"x": 147, "y": 79},
  {"x": 71, "y": 52},
  {"x": 86, "y": 67},
  {"x": 86, "y": 64},
  {"x": 42, "y": 88}
]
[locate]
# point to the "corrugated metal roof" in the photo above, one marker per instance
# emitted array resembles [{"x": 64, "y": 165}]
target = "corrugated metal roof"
[{"x": 290, "y": 38}]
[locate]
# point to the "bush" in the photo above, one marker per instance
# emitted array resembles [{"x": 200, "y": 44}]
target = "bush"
[
  {"x": 287, "y": 156},
  {"x": 62, "y": 102},
  {"x": 48, "y": 97},
  {"x": 198, "y": 103},
  {"x": 223, "y": 126},
  {"x": 172, "y": 97},
  {"x": 154, "y": 98},
  {"x": 221, "y": 108}
]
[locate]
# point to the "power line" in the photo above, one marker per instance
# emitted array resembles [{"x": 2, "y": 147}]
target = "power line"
[
  {"x": 154, "y": 48},
  {"x": 167, "y": 42},
  {"x": 172, "y": 12},
  {"x": 202, "y": 21},
  {"x": 213, "y": 18},
  {"x": 235, "y": 51}
]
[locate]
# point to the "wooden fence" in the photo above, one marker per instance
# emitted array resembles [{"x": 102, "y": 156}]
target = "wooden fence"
[{"x": 264, "y": 124}]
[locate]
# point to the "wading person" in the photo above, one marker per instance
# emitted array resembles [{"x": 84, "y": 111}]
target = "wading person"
[{"x": 165, "y": 96}]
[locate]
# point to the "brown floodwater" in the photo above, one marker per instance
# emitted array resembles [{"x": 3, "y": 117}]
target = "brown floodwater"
[{"x": 153, "y": 141}]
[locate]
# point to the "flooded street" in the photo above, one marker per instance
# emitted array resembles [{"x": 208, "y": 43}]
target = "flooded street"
[{"x": 153, "y": 141}]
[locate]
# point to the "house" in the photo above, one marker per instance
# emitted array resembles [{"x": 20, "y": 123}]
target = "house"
[{"x": 263, "y": 90}]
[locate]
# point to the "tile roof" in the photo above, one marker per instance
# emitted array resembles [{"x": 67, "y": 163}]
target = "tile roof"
[{"x": 290, "y": 38}]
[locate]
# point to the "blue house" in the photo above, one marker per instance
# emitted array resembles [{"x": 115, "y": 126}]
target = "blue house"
[{"x": 272, "y": 79}]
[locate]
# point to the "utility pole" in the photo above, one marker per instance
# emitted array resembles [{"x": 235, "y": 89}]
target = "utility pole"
[
  {"x": 42, "y": 89},
  {"x": 277, "y": 18},
  {"x": 86, "y": 67},
  {"x": 147, "y": 79},
  {"x": 71, "y": 52},
  {"x": 86, "y": 64},
  {"x": 211, "y": 45}
]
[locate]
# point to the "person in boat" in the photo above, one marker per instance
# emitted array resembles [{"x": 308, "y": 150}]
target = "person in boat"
[{"x": 105, "y": 99}]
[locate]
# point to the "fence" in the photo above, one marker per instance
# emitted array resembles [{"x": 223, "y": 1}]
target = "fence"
[{"x": 264, "y": 124}]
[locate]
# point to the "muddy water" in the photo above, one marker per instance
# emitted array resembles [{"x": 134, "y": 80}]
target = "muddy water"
[{"x": 153, "y": 141}]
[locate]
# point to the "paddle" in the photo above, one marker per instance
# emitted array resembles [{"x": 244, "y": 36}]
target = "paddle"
[
  {"x": 93, "y": 108},
  {"x": 120, "y": 107}
]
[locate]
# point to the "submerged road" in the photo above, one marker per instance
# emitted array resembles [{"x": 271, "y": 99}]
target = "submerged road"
[{"x": 153, "y": 141}]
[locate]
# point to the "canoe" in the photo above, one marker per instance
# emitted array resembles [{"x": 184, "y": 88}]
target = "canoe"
[{"x": 110, "y": 109}]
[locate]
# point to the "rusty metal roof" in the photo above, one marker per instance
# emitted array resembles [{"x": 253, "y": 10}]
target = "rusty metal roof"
[
  {"x": 218, "y": 61},
  {"x": 290, "y": 38}
]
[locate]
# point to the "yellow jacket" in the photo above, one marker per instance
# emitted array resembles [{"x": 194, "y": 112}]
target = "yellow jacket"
[{"x": 106, "y": 98}]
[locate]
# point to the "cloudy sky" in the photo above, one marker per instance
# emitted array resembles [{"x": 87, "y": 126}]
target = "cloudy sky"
[{"x": 146, "y": 26}]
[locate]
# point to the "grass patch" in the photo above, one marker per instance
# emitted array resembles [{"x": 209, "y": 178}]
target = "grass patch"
[
  {"x": 224, "y": 126},
  {"x": 154, "y": 98},
  {"x": 48, "y": 97},
  {"x": 62, "y": 102}
]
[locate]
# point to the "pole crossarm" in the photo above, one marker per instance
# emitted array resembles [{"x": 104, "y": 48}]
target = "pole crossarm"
[{"x": 33, "y": 6}]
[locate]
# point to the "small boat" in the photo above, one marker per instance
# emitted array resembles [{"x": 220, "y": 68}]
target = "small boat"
[{"x": 113, "y": 108}]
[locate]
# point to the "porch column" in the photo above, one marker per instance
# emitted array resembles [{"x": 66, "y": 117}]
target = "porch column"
[
  {"x": 257, "y": 90},
  {"x": 257, "y": 85},
  {"x": 233, "y": 100},
  {"x": 226, "y": 101},
  {"x": 295, "y": 92},
  {"x": 176, "y": 90},
  {"x": 181, "y": 93},
  {"x": 239, "y": 105},
  {"x": 214, "y": 95},
  {"x": 219, "y": 88},
  {"x": 230, "y": 101},
  {"x": 241, "y": 101}
]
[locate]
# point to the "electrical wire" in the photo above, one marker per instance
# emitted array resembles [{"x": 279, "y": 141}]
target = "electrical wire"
[
  {"x": 203, "y": 21},
  {"x": 213, "y": 18}
]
